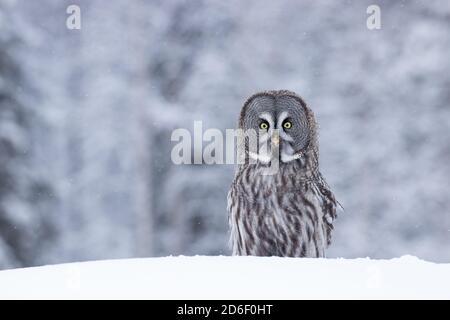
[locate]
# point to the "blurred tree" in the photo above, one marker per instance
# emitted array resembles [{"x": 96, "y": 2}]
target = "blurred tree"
[{"x": 25, "y": 225}]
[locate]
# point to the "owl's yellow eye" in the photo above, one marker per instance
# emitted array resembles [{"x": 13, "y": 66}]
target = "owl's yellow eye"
[
  {"x": 287, "y": 125},
  {"x": 264, "y": 125}
]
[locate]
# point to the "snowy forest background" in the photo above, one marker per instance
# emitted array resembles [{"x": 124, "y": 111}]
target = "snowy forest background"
[{"x": 86, "y": 117}]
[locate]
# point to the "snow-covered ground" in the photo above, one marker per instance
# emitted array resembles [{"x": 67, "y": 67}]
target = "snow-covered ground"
[{"x": 203, "y": 277}]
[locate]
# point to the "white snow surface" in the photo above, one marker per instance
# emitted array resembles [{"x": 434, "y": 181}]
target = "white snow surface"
[{"x": 220, "y": 277}]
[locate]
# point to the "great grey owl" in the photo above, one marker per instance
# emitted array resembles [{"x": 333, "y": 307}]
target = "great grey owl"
[{"x": 288, "y": 212}]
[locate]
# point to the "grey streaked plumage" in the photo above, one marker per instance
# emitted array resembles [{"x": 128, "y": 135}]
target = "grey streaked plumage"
[{"x": 291, "y": 212}]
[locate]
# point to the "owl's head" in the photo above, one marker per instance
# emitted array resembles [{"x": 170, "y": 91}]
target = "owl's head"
[{"x": 282, "y": 121}]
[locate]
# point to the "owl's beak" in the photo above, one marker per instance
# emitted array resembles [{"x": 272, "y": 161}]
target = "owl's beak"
[{"x": 275, "y": 139}]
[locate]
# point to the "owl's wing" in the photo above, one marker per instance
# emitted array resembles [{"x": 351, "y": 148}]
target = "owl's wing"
[
  {"x": 232, "y": 214},
  {"x": 328, "y": 203}
]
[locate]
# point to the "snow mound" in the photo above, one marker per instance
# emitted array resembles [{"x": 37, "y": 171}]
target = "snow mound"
[{"x": 222, "y": 277}]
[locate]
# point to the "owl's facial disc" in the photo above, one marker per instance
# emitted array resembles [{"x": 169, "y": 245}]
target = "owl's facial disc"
[
  {"x": 274, "y": 139},
  {"x": 282, "y": 127}
]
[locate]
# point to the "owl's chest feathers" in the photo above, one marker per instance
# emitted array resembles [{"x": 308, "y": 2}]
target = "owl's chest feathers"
[
  {"x": 287, "y": 184},
  {"x": 279, "y": 214},
  {"x": 283, "y": 200}
]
